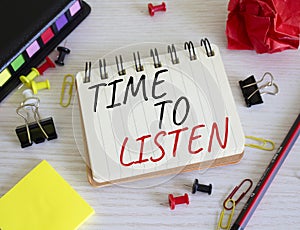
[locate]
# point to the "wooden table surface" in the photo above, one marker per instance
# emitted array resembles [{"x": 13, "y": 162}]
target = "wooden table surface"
[{"x": 143, "y": 204}]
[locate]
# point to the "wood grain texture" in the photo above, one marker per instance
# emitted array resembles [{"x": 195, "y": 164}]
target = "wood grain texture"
[{"x": 143, "y": 204}]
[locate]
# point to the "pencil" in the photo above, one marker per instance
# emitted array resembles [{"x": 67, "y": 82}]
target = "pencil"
[{"x": 267, "y": 177}]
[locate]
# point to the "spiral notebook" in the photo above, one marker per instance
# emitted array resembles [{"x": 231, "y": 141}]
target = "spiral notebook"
[{"x": 164, "y": 114}]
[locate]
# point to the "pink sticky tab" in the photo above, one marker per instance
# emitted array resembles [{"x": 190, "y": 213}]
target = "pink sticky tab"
[
  {"x": 32, "y": 49},
  {"x": 75, "y": 8}
]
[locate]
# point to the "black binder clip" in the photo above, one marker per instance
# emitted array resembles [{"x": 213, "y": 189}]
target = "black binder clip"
[
  {"x": 252, "y": 92},
  {"x": 36, "y": 131}
]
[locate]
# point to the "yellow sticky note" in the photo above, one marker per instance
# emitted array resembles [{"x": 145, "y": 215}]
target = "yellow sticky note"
[{"x": 43, "y": 200}]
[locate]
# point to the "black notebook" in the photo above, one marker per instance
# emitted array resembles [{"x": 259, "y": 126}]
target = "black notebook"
[{"x": 30, "y": 30}]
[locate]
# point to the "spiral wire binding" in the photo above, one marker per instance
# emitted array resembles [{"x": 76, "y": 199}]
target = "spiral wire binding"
[
  {"x": 138, "y": 66},
  {"x": 172, "y": 50},
  {"x": 206, "y": 43},
  {"x": 121, "y": 70},
  {"x": 153, "y": 54},
  {"x": 190, "y": 46},
  {"x": 103, "y": 75},
  {"x": 87, "y": 76}
]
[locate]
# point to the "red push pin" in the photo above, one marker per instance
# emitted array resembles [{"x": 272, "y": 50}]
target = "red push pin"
[
  {"x": 45, "y": 66},
  {"x": 178, "y": 200},
  {"x": 152, "y": 9}
]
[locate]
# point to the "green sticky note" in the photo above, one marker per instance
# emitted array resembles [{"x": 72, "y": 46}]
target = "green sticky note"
[{"x": 18, "y": 62}]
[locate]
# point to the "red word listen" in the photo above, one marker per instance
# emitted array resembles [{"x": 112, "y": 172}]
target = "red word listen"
[{"x": 214, "y": 134}]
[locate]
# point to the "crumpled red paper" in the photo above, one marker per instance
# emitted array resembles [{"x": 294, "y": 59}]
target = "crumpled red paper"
[{"x": 266, "y": 26}]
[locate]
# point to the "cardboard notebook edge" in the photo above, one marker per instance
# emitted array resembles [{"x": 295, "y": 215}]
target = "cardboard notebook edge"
[{"x": 188, "y": 168}]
